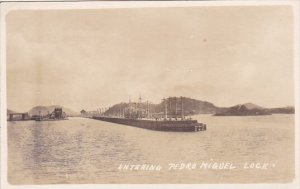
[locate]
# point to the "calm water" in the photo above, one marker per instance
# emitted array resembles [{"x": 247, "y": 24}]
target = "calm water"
[{"x": 82, "y": 150}]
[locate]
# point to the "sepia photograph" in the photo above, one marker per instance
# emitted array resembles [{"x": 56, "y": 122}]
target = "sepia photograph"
[{"x": 170, "y": 93}]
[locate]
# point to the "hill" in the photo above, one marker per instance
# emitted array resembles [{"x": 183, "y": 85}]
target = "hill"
[
  {"x": 251, "y": 106},
  {"x": 191, "y": 107},
  {"x": 247, "y": 109}
]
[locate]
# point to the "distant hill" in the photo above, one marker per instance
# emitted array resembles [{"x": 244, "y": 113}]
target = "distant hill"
[
  {"x": 48, "y": 109},
  {"x": 247, "y": 109},
  {"x": 251, "y": 106},
  {"x": 191, "y": 107},
  {"x": 284, "y": 110}
]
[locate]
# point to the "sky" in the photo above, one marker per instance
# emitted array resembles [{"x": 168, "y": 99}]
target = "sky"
[{"x": 87, "y": 59}]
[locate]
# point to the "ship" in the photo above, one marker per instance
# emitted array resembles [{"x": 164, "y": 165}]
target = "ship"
[{"x": 172, "y": 119}]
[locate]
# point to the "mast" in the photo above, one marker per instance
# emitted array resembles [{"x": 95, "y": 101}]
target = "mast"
[
  {"x": 182, "y": 111},
  {"x": 148, "y": 109},
  {"x": 170, "y": 112},
  {"x": 166, "y": 109},
  {"x": 150, "y": 115},
  {"x": 130, "y": 108},
  {"x": 139, "y": 107},
  {"x": 175, "y": 108}
]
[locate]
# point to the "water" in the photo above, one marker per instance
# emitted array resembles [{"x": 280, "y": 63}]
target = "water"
[{"x": 81, "y": 150}]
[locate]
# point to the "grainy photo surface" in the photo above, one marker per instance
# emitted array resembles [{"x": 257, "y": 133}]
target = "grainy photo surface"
[{"x": 153, "y": 95}]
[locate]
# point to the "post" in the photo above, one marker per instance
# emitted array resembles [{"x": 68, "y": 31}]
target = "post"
[
  {"x": 166, "y": 109},
  {"x": 140, "y": 107},
  {"x": 176, "y": 108},
  {"x": 147, "y": 109},
  {"x": 170, "y": 111},
  {"x": 182, "y": 111},
  {"x": 130, "y": 111},
  {"x": 150, "y": 115}
]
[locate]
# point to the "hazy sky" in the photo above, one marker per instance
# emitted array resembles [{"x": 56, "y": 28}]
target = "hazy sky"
[{"x": 94, "y": 58}]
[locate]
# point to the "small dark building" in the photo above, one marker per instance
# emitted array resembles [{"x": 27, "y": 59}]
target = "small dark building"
[
  {"x": 83, "y": 112},
  {"x": 58, "y": 113}
]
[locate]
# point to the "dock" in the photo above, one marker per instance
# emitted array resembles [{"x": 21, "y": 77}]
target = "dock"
[
  {"x": 172, "y": 119},
  {"x": 179, "y": 126},
  {"x": 18, "y": 117}
]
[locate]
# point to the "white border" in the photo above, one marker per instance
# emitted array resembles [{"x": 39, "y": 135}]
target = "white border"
[{"x": 6, "y": 7}]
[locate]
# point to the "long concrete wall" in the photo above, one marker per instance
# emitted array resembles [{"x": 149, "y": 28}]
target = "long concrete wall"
[{"x": 180, "y": 126}]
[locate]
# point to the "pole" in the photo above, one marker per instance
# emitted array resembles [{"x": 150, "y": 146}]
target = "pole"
[
  {"x": 150, "y": 115},
  {"x": 147, "y": 109},
  {"x": 175, "y": 108},
  {"x": 182, "y": 111},
  {"x": 166, "y": 109},
  {"x": 170, "y": 111}
]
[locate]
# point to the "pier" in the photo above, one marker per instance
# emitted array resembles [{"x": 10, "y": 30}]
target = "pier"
[
  {"x": 18, "y": 116},
  {"x": 171, "y": 119},
  {"x": 179, "y": 126}
]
